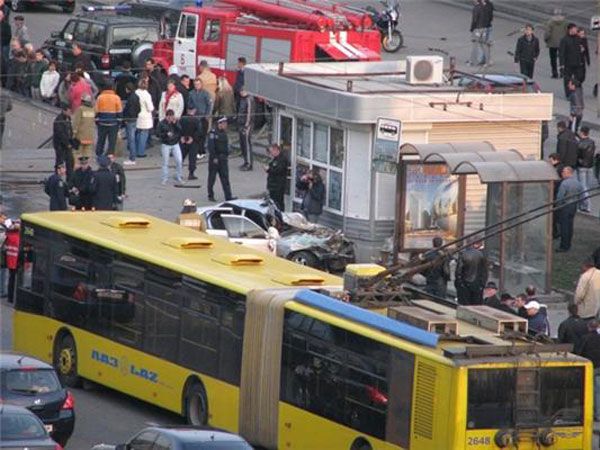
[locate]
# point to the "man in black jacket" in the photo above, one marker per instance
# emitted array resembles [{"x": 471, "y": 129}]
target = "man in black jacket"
[
  {"x": 169, "y": 133},
  {"x": 566, "y": 145},
  {"x": 5, "y": 38},
  {"x": 571, "y": 56},
  {"x": 572, "y": 329},
  {"x": 527, "y": 51},
  {"x": 277, "y": 171},
  {"x": 123, "y": 79},
  {"x": 80, "y": 185},
  {"x": 104, "y": 186},
  {"x": 190, "y": 141},
  {"x": 471, "y": 275},
  {"x": 477, "y": 29},
  {"x": 130, "y": 113},
  {"x": 245, "y": 122},
  {"x": 590, "y": 349},
  {"x": 117, "y": 170},
  {"x": 586, "y": 150},
  {"x": 57, "y": 189},
  {"x": 438, "y": 275},
  {"x": 218, "y": 154},
  {"x": 62, "y": 139}
]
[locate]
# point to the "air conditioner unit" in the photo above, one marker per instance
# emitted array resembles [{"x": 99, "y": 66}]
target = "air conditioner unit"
[{"x": 424, "y": 69}]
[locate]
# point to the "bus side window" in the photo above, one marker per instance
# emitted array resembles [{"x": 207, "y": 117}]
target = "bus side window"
[
  {"x": 127, "y": 315},
  {"x": 32, "y": 277}
]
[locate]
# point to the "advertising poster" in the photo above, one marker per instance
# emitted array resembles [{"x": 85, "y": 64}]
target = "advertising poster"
[{"x": 431, "y": 205}]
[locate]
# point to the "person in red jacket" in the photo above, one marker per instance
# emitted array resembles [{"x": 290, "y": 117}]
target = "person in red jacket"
[
  {"x": 11, "y": 246},
  {"x": 77, "y": 89}
]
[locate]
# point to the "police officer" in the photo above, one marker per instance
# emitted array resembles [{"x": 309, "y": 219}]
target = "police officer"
[
  {"x": 56, "y": 187},
  {"x": 277, "y": 175},
  {"x": 218, "y": 152},
  {"x": 80, "y": 185}
]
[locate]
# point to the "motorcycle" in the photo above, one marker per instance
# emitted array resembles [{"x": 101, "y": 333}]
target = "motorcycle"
[{"x": 386, "y": 22}]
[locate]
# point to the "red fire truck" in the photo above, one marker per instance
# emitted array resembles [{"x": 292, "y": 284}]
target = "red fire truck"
[{"x": 267, "y": 31}]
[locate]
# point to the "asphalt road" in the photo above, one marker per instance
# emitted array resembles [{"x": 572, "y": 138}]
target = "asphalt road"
[{"x": 428, "y": 27}]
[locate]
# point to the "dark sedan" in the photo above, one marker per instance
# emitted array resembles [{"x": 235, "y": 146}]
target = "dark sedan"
[
  {"x": 33, "y": 384},
  {"x": 180, "y": 438},
  {"x": 20, "y": 429}
]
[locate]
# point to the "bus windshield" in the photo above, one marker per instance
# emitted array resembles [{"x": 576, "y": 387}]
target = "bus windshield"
[{"x": 492, "y": 398}]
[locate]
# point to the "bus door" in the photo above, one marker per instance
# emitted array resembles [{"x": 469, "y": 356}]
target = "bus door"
[{"x": 185, "y": 44}]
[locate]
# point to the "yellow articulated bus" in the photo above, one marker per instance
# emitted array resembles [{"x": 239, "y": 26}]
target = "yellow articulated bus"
[{"x": 257, "y": 345}]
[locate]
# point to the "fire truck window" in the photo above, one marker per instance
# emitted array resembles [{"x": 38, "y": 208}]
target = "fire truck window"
[
  {"x": 212, "y": 30},
  {"x": 187, "y": 27}
]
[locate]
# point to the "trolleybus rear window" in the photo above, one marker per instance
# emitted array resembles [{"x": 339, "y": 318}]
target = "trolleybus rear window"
[{"x": 501, "y": 398}]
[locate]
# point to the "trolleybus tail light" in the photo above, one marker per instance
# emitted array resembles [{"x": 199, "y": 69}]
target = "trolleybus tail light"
[
  {"x": 105, "y": 61},
  {"x": 376, "y": 396},
  {"x": 69, "y": 402},
  {"x": 504, "y": 438}
]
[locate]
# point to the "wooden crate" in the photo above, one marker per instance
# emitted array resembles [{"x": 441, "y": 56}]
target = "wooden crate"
[
  {"x": 491, "y": 319},
  {"x": 422, "y": 318}
]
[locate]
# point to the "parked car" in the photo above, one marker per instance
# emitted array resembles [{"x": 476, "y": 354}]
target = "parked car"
[
  {"x": 496, "y": 82},
  {"x": 33, "y": 384},
  {"x": 20, "y": 429},
  {"x": 180, "y": 438},
  {"x": 166, "y": 12},
  {"x": 107, "y": 37},
  {"x": 67, "y": 6},
  {"x": 298, "y": 240}
]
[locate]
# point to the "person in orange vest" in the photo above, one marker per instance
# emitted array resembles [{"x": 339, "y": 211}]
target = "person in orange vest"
[{"x": 11, "y": 246}]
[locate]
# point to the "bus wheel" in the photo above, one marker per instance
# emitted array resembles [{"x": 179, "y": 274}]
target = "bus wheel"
[
  {"x": 196, "y": 405},
  {"x": 65, "y": 361},
  {"x": 361, "y": 444}
]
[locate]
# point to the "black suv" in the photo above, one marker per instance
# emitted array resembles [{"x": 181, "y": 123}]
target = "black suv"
[
  {"x": 108, "y": 39},
  {"x": 67, "y": 6},
  {"x": 33, "y": 384}
]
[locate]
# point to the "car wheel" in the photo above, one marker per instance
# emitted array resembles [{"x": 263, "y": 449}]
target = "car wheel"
[
  {"x": 196, "y": 405},
  {"x": 69, "y": 8},
  {"x": 305, "y": 258},
  {"x": 17, "y": 5},
  {"x": 65, "y": 361}
]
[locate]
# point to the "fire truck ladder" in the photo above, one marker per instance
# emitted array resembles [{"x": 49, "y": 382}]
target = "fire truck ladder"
[
  {"x": 339, "y": 21},
  {"x": 354, "y": 17}
]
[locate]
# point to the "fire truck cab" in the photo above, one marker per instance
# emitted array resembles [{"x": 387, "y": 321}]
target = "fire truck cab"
[{"x": 262, "y": 31}]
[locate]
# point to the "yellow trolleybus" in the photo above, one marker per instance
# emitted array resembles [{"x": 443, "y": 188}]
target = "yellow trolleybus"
[{"x": 254, "y": 344}]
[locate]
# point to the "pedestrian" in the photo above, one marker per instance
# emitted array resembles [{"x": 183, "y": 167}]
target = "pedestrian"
[
  {"x": 576, "y": 104},
  {"x": 171, "y": 99},
  {"x": 84, "y": 127},
  {"x": 566, "y": 145},
  {"x": 36, "y": 69},
  {"x": 81, "y": 59},
  {"x": 186, "y": 82},
  {"x": 586, "y": 150},
  {"x": 245, "y": 122},
  {"x": 571, "y": 57},
  {"x": 527, "y": 51},
  {"x": 81, "y": 195},
  {"x": 311, "y": 184},
  {"x": 587, "y": 292},
  {"x": 277, "y": 173},
  {"x": 209, "y": 79},
  {"x": 62, "y": 138},
  {"x": 145, "y": 120},
  {"x": 225, "y": 100},
  {"x": 131, "y": 112},
  {"x": 17, "y": 73},
  {"x": 121, "y": 180},
  {"x": 108, "y": 115},
  {"x": 438, "y": 275},
  {"x": 20, "y": 31},
  {"x": 488, "y": 18},
  {"x": 123, "y": 79},
  {"x": 104, "y": 186},
  {"x": 85, "y": 76},
  {"x": 57, "y": 189},
  {"x": 478, "y": 33},
  {"x": 554, "y": 159},
  {"x": 585, "y": 52},
  {"x": 471, "y": 275},
  {"x": 218, "y": 159},
  {"x": 201, "y": 103},
  {"x": 169, "y": 133},
  {"x": 190, "y": 132},
  {"x": 11, "y": 246},
  {"x": 239, "y": 80},
  {"x": 506, "y": 304},
  {"x": 5, "y": 106},
  {"x": 537, "y": 318},
  {"x": 78, "y": 87},
  {"x": 5, "y": 39},
  {"x": 157, "y": 81},
  {"x": 590, "y": 349},
  {"x": 572, "y": 329},
  {"x": 555, "y": 30},
  {"x": 566, "y": 199},
  {"x": 490, "y": 295}
]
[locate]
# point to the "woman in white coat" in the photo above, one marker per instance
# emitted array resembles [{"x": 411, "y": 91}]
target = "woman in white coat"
[
  {"x": 145, "y": 121},
  {"x": 171, "y": 99}
]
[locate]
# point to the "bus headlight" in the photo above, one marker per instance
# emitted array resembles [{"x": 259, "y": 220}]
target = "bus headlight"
[
  {"x": 547, "y": 438},
  {"x": 504, "y": 438}
]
